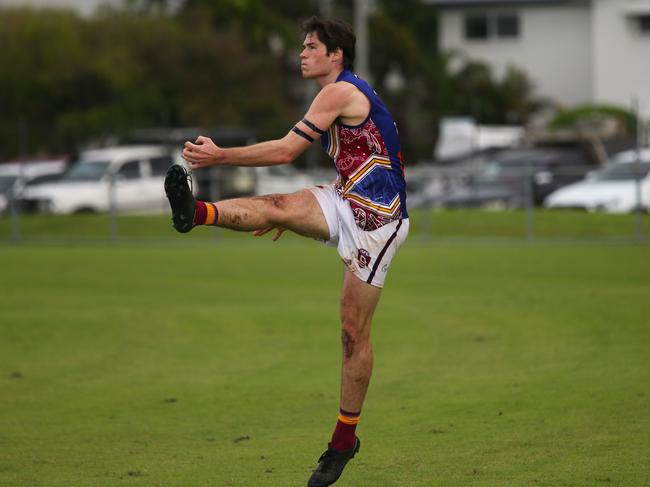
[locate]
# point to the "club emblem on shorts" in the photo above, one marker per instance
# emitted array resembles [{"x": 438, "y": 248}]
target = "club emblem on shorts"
[{"x": 363, "y": 257}]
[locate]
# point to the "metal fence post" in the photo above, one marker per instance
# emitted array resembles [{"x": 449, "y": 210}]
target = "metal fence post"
[
  {"x": 426, "y": 222},
  {"x": 15, "y": 217},
  {"x": 530, "y": 203},
  {"x": 638, "y": 227},
  {"x": 215, "y": 193},
  {"x": 112, "y": 198},
  {"x": 23, "y": 131}
]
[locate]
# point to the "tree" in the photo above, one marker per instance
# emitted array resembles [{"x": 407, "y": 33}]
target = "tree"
[
  {"x": 257, "y": 20},
  {"x": 89, "y": 79},
  {"x": 226, "y": 62},
  {"x": 474, "y": 90}
]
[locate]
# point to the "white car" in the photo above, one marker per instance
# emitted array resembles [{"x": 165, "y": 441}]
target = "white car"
[
  {"x": 126, "y": 178},
  {"x": 285, "y": 179},
  {"x": 612, "y": 189},
  {"x": 14, "y": 176}
]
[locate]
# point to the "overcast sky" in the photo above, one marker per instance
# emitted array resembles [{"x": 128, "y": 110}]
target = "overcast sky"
[{"x": 84, "y": 7}]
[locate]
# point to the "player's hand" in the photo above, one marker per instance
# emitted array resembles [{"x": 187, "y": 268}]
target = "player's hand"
[
  {"x": 278, "y": 232},
  {"x": 202, "y": 153}
]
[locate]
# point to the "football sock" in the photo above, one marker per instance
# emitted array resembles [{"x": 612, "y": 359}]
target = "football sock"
[
  {"x": 344, "y": 437},
  {"x": 205, "y": 213}
]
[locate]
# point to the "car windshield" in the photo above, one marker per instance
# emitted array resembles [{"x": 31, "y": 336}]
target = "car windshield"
[
  {"x": 87, "y": 171},
  {"x": 513, "y": 164},
  {"x": 624, "y": 172},
  {"x": 6, "y": 182},
  {"x": 45, "y": 178}
]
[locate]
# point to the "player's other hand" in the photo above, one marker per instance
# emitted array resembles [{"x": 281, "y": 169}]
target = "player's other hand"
[
  {"x": 201, "y": 153},
  {"x": 264, "y": 231}
]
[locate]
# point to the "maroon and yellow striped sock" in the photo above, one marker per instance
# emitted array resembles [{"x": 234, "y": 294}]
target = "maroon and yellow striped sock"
[
  {"x": 343, "y": 437},
  {"x": 205, "y": 213}
]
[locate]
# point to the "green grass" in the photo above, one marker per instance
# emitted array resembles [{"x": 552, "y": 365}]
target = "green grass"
[
  {"x": 473, "y": 224},
  {"x": 218, "y": 365}
]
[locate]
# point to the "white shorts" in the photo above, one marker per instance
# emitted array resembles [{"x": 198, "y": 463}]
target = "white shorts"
[{"x": 366, "y": 254}]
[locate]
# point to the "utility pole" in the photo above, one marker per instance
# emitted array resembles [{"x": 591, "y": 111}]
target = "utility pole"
[
  {"x": 362, "y": 64},
  {"x": 362, "y": 9},
  {"x": 639, "y": 230},
  {"x": 15, "y": 194},
  {"x": 312, "y": 156}
]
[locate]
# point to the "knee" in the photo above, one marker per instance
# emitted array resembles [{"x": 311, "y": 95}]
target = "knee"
[{"x": 355, "y": 338}]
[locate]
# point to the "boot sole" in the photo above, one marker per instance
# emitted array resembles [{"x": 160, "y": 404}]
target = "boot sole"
[{"x": 176, "y": 190}]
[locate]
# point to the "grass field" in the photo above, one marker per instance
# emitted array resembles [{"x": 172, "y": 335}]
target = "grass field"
[
  {"x": 218, "y": 365},
  {"x": 432, "y": 225}
]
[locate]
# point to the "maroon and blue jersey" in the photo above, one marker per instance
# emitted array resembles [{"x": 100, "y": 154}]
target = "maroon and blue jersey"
[{"x": 368, "y": 161}]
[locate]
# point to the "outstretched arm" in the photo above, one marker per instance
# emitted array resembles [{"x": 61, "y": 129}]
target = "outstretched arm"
[
  {"x": 328, "y": 105},
  {"x": 204, "y": 152}
]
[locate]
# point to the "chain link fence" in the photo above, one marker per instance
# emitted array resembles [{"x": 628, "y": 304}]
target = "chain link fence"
[
  {"x": 470, "y": 202},
  {"x": 508, "y": 198}
]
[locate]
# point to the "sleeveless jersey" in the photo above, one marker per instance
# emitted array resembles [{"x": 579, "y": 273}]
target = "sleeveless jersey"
[{"x": 368, "y": 161}]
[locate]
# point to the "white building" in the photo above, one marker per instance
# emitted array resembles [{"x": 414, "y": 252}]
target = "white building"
[{"x": 574, "y": 51}]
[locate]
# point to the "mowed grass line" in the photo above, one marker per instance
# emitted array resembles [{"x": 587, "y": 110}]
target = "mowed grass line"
[{"x": 499, "y": 365}]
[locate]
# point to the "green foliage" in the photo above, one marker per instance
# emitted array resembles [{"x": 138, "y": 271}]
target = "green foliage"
[
  {"x": 256, "y": 19},
  {"x": 86, "y": 79},
  {"x": 403, "y": 39},
  {"x": 70, "y": 80},
  {"x": 404, "y": 36},
  {"x": 44, "y": 71},
  {"x": 474, "y": 90},
  {"x": 585, "y": 113}
]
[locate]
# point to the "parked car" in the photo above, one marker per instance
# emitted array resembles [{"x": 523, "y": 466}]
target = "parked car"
[
  {"x": 215, "y": 182},
  {"x": 612, "y": 189},
  {"x": 129, "y": 177},
  {"x": 505, "y": 178},
  {"x": 222, "y": 182},
  {"x": 16, "y": 176},
  {"x": 287, "y": 179},
  {"x": 512, "y": 177}
]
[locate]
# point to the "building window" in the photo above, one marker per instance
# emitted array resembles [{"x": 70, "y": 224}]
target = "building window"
[
  {"x": 644, "y": 24},
  {"x": 476, "y": 27},
  {"x": 491, "y": 25},
  {"x": 507, "y": 25}
]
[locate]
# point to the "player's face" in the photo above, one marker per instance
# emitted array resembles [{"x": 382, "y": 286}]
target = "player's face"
[{"x": 314, "y": 60}]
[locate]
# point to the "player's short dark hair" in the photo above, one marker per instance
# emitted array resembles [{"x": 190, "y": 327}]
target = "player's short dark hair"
[{"x": 335, "y": 34}]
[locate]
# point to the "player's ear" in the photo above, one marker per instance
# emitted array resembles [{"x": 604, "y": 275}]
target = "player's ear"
[{"x": 337, "y": 55}]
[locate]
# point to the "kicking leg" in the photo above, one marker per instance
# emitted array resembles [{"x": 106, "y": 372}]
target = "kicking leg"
[{"x": 298, "y": 212}]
